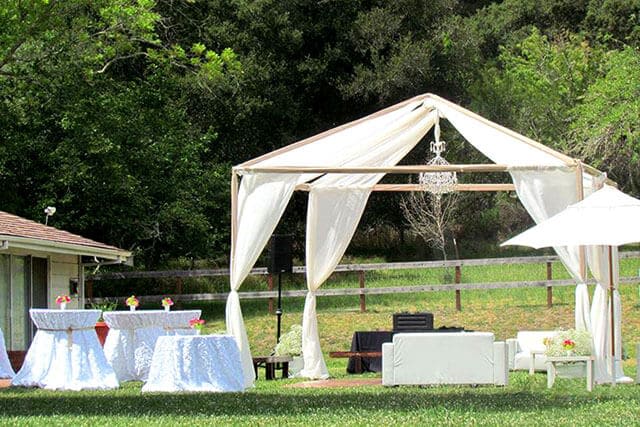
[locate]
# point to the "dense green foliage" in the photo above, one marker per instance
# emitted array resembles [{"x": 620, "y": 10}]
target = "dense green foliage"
[{"x": 127, "y": 114}]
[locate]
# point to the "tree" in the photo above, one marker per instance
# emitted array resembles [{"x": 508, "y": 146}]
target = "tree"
[
  {"x": 431, "y": 216},
  {"x": 605, "y": 131}
]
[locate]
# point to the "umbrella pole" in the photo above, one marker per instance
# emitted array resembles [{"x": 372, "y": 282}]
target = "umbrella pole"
[{"x": 613, "y": 325}]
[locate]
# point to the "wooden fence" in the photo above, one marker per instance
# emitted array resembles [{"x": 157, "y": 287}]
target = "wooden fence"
[{"x": 457, "y": 287}]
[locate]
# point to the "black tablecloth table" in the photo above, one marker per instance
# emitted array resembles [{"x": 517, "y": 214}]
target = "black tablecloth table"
[{"x": 368, "y": 341}]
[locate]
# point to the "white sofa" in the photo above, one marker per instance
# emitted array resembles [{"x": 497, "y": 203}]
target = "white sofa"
[
  {"x": 444, "y": 358},
  {"x": 521, "y": 347}
]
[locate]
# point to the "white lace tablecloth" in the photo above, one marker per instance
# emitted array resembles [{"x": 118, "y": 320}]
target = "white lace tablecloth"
[
  {"x": 65, "y": 353},
  {"x": 6, "y": 371},
  {"x": 133, "y": 334},
  {"x": 196, "y": 363}
]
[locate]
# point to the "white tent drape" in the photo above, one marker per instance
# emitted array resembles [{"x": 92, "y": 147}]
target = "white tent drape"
[
  {"x": 544, "y": 194},
  {"x": 332, "y": 218},
  {"x": 262, "y": 200},
  {"x": 598, "y": 260}
]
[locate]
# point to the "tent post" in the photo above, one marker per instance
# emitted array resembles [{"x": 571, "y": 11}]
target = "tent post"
[
  {"x": 580, "y": 194},
  {"x": 234, "y": 213},
  {"x": 612, "y": 314}
]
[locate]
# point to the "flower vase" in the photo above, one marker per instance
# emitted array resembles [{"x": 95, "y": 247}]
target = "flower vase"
[
  {"x": 63, "y": 306},
  {"x": 167, "y": 308},
  {"x": 568, "y": 353},
  {"x": 132, "y": 308},
  {"x": 198, "y": 331}
]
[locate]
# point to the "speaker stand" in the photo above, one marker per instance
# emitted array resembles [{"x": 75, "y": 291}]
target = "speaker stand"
[{"x": 279, "y": 308}]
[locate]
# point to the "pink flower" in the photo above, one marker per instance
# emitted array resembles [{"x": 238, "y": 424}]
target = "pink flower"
[
  {"x": 62, "y": 298},
  {"x": 166, "y": 302},
  {"x": 568, "y": 344},
  {"x": 196, "y": 323}
]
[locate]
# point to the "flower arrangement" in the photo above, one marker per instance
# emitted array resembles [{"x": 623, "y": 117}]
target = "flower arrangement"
[
  {"x": 167, "y": 303},
  {"x": 290, "y": 344},
  {"x": 197, "y": 324},
  {"x": 571, "y": 340},
  {"x": 132, "y": 302},
  {"x": 63, "y": 299}
]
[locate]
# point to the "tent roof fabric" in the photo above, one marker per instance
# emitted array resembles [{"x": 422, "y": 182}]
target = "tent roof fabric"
[
  {"x": 13, "y": 226},
  {"x": 345, "y": 145}
]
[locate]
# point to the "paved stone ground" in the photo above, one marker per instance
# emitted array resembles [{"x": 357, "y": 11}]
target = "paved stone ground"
[{"x": 338, "y": 383}]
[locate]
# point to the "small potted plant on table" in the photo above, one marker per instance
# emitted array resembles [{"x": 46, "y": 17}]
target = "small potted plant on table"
[{"x": 566, "y": 344}]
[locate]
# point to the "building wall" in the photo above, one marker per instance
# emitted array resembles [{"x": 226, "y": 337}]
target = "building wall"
[{"x": 62, "y": 268}]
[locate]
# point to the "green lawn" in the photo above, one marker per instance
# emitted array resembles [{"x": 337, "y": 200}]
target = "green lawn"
[{"x": 525, "y": 401}]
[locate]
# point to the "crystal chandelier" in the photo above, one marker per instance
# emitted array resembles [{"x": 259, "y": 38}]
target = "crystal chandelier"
[{"x": 438, "y": 182}]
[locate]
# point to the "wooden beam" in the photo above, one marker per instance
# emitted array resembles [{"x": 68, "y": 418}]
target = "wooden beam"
[
  {"x": 580, "y": 194},
  {"x": 417, "y": 187},
  {"x": 378, "y": 169},
  {"x": 234, "y": 214}
]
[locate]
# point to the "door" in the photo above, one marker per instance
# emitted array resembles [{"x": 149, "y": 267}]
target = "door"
[
  {"x": 23, "y": 282},
  {"x": 39, "y": 280}
]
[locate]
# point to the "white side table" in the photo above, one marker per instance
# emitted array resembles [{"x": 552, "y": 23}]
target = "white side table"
[
  {"x": 551, "y": 368},
  {"x": 533, "y": 354}
]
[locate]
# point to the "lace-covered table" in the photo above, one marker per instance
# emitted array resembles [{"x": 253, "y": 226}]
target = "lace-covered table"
[
  {"x": 133, "y": 335},
  {"x": 6, "y": 371},
  {"x": 65, "y": 353},
  {"x": 197, "y": 363}
]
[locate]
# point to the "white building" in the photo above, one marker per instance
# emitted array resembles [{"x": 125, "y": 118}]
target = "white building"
[{"x": 38, "y": 263}]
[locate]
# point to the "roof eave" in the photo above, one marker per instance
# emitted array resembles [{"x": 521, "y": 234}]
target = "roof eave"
[{"x": 8, "y": 241}]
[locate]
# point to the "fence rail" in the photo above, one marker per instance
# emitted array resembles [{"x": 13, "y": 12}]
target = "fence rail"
[{"x": 362, "y": 290}]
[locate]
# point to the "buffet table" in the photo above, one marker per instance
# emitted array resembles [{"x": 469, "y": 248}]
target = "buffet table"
[
  {"x": 133, "y": 334},
  {"x": 6, "y": 371},
  {"x": 207, "y": 363},
  {"x": 65, "y": 353}
]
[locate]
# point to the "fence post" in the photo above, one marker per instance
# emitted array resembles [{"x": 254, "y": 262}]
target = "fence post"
[
  {"x": 270, "y": 287},
  {"x": 549, "y": 288},
  {"x": 363, "y": 303},
  {"x": 458, "y": 279}
]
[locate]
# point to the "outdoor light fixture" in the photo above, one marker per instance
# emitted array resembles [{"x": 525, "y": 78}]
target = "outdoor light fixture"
[
  {"x": 49, "y": 211},
  {"x": 438, "y": 182}
]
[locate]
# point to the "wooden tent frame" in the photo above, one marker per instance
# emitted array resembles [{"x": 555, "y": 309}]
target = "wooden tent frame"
[{"x": 580, "y": 168}]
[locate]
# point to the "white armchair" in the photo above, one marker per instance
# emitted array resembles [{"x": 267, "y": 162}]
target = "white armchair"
[
  {"x": 444, "y": 358},
  {"x": 521, "y": 348}
]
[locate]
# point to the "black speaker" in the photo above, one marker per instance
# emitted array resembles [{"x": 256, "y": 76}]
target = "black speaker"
[{"x": 280, "y": 254}]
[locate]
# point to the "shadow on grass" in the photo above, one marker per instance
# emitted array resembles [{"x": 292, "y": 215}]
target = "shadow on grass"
[{"x": 129, "y": 402}]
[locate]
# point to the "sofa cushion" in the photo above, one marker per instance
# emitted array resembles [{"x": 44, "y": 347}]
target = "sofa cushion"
[
  {"x": 443, "y": 358},
  {"x": 529, "y": 341}
]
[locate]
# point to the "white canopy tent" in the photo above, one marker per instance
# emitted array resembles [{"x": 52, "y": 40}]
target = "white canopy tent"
[{"x": 342, "y": 166}]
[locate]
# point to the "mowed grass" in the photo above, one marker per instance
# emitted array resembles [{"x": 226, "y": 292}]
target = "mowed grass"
[{"x": 526, "y": 401}]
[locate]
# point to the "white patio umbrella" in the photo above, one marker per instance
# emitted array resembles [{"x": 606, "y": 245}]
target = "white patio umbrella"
[{"x": 608, "y": 217}]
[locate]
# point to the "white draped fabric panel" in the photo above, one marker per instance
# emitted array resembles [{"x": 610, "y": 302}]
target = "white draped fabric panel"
[
  {"x": 262, "y": 200},
  {"x": 333, "y": 215},
  {"x": 544, "y": 194},
  {"x": 598, "y": 260}
]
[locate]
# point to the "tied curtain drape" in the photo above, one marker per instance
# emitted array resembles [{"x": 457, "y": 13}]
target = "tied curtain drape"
[
  {"x": 598, "y": 260},
  {"x": 336, "y": 204}
]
